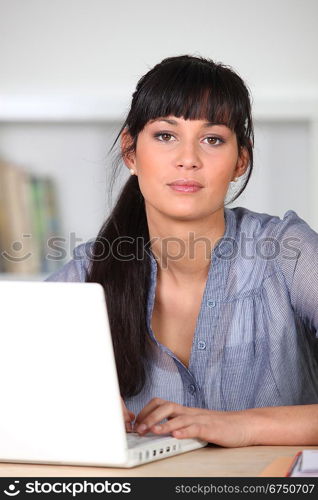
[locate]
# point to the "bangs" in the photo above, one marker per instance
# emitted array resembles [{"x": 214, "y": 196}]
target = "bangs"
[{"x": 194, "y": 92}]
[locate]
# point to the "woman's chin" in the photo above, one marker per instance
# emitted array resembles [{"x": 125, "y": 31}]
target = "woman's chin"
[{"x": 183, "y": 215}]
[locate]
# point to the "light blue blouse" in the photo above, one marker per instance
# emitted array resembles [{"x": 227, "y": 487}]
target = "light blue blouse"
[{"x": 256, "y": 336}]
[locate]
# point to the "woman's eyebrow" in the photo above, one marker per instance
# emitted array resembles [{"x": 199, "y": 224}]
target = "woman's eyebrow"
[{"x": 171, "y": 122}]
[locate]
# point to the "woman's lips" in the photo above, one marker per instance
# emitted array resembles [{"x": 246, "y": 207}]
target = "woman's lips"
[{"x": 185, "y": 186}]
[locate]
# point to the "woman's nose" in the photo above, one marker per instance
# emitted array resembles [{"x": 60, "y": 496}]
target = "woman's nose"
[{"x": 188, "y": 156}]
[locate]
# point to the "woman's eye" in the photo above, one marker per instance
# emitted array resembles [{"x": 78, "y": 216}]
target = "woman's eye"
[
  {"x": 164, "y": 137},
  {"x": 214, "y": 141}
]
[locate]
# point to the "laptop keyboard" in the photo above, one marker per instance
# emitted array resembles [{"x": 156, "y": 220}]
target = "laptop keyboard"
[{"x": 133, "y": 438}]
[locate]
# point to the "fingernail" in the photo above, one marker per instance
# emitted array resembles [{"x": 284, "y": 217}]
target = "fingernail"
[
  {"x": 128, "y": 427},
  {"x": 141, "y": 428},
  {"x": 157, "y": 428}
]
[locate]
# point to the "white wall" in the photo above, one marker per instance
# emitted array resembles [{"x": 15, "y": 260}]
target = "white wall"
[
  {"x": 281, "y": 178},
  {"x": 77, "y": 51},
  {"x": 85, "y": 47}
]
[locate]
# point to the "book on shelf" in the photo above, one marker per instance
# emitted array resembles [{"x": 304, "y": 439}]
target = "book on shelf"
[{"x": 28, "y": 219}]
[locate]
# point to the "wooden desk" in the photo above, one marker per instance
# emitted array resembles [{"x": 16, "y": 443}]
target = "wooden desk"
[{"x": 211, "y": 461}]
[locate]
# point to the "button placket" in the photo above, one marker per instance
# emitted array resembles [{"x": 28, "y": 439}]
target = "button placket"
[{"x": 206, "y": 328}]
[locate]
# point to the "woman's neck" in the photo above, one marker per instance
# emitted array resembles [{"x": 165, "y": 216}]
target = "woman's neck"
[{"x": 183, "y": 248}]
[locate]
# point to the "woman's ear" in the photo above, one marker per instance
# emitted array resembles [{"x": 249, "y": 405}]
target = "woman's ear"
[
  {"x": 242, "y": 162},
  {"x": 128, "y": 155}
]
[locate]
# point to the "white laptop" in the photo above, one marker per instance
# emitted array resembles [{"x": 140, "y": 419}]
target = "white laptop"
[{"x": 60, "y": 400}]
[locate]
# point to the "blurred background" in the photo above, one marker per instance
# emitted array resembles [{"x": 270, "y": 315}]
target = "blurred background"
[{"x": 68, "y": 70}]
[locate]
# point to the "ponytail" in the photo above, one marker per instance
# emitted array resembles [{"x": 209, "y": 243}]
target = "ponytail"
[{"x": 121, "y": 266}]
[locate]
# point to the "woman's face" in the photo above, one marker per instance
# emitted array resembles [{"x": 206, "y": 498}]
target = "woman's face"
[{"x": 174, "y": 150}]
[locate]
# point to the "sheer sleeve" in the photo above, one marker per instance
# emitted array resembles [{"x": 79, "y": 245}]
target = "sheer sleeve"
[{"x": 298, "y": 261}]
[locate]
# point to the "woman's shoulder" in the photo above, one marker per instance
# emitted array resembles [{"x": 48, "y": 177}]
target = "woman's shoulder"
[
  {"x": 76, "y": 269},
  {"x": 84, "y": 251},
  {"x": 263, "y": 224}
]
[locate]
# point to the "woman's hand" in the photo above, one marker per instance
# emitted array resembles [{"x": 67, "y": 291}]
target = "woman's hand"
[
  {"x": 224, "y": 428},
  {"x": 129, "y": 417}
]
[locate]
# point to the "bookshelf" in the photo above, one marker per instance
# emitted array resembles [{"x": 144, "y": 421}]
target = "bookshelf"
[{"x": 28, "y": 121}]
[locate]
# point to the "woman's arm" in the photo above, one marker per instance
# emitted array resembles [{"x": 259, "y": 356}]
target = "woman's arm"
[
  {"x": 282, "y": 425},
  {"x": 300, "y": 267}
]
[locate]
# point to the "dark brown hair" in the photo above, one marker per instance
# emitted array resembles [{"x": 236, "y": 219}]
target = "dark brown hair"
[{"x": 184, "y": 86}]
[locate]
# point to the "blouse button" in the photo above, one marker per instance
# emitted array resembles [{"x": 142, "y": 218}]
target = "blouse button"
[
  {"x": 191, "y": 389},
  {"x": 201, "y": 345},
  {"x": 211, "y": 303}
]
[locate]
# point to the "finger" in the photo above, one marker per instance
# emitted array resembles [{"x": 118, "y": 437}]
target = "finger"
[
  {"x": 167, "y": 410},
  {"x": 158, "y": 409},
  {"x": 130, "y": 423},
  {"x": 172, "y": 425},
  {"x": 129, "y": 416},
  {"x": 151, "y": 406},
  {"x": 194, "y": 430}
]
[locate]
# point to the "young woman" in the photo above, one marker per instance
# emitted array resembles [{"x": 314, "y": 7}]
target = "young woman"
[{"x": 213, "y": 311}]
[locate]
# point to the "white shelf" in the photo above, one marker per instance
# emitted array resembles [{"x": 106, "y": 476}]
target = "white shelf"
[
  {"x": 300, "y": 106},
  {"x": 292, "y": 108},
  {"x": 28, "y": 109}
]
